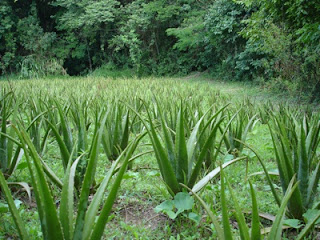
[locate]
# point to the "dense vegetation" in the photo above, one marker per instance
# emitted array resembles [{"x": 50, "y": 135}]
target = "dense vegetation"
[
  {"x": 275, "y": 43},
  {"x": 91, "y": 135},
  {"x": 80, "y": 154}
]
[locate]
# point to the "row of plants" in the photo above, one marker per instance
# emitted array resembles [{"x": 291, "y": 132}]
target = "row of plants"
[{"x": 192, "y": 145}]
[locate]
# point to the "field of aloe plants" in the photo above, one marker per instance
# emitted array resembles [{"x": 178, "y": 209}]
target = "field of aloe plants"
[{"x": 95, "y": 158}]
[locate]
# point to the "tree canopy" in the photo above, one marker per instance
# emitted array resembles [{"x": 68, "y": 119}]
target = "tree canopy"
[{"x": 274, "y": 42}]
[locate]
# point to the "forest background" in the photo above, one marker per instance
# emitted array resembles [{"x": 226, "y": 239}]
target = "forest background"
[{"x": 272, "y": 43}]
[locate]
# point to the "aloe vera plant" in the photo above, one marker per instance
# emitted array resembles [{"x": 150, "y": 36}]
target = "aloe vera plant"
[
  {"x": 224, "y": 230},
  {"x": 61, "y": 224},
  {"x": 65, "y": 137},
  {"x": 215, "y": 146},
  {"x": 13, "y": 209},
  {"x": 295, "y": 146},
  {"x": 10, "y": 153},
  {"x": 117, "y": 131},
  {"x": 180, "y": 161},
  {"x": 265, "y": 111},
  {"x": 238, "y": 129},
  {"x": 37, "y": 127}
]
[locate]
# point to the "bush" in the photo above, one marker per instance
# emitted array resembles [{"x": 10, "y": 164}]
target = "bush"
[
  {"x": 110, "y": 70},
  {"x": 32, "y": 67}
]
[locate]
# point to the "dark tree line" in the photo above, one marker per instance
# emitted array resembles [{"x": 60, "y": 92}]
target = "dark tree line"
[{"x": 275, "y": 42}]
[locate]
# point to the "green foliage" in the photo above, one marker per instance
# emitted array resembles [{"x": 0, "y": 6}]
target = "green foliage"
[
  {"x": 190, "y": 33},
  {"x": 282, "y": 36},
  {"x": 61, "y": 225},
  {"x": 8, "y": 45},
  {"x": 295, "y": 145},
  {"x": 274, "y": 43},
  {"x": 10, "y": 155},
  {"x": 85, "y": 26},
  {"x": 186, "y": 134},
  {"x": 239, "y": 129},
  {"x": 13, "y": 208},
  {"x": 224, "y": 231},
  {"x": 85, "y": 14},
  {"x": 32, "y": 37},
  {"x": 114, "y": 139},
  {"x": 117, "y": 131},
  {"x": 180, "y": 159},
  {"x": 110, "y": 70},
  {"x": 142, "y": 35},
  {"x": 173, "y": 208}
]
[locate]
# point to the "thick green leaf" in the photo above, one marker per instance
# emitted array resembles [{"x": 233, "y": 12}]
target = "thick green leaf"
[
  {"x": 204, "y": 181},
  {"x": 65, "y": 154},
  {"x": 164, "y": 163},
  {"x": 244, "y": 230},
  {"x": 255, "y": 224},
  {"x": 213, "y": 218},
  {"x": 98, "y": 197},
  {"x": 303, "y": 173},
  {"x": 89, "y": 177},
  {"x": 98, "y": 228},
  {"x": 168, "y": 140},
  {"x": 192, "y": 143},
  {"x": 126, "y": 132},
  {"x": 50, "y": 223},
  {"x": 13, "y": 209},
  {"x": 181, "y": 149},
  {"x": 276, "y": 229},
  {"x": 224, "y": 208},
  {"x": 66, "y": 131},
  {"x": 273, "y": 190},
  {"x": 15, "y": 160},
  {"x": 183, "y": 201},
  {"x": 203, "y": 153},
  {"x": 67, "y": 199},
  {"x": 165, "y": 206},
  {"x": 313, "y": 185},
  {"x": 309, "y": 225}
]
